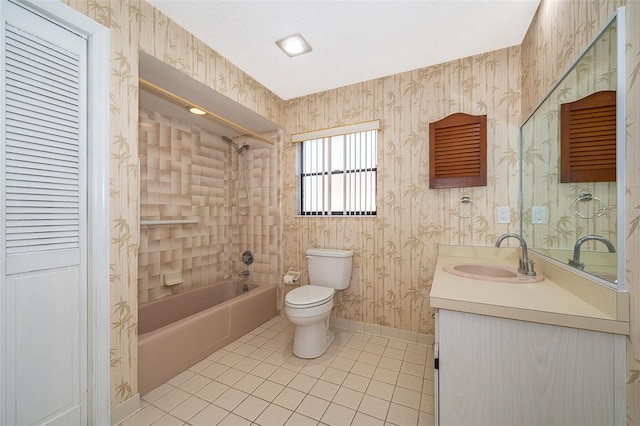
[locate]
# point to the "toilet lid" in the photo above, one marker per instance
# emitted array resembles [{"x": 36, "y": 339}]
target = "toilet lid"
[{"x": 309, "y": 295}]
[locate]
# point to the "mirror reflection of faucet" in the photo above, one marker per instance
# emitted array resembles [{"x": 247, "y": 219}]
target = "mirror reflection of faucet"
[
  {"x": 525, "y": 264},
  {"x": 575, "y": 262}
]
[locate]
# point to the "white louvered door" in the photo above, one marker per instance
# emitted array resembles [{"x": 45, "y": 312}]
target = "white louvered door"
[{"x": 44, "y": 266}]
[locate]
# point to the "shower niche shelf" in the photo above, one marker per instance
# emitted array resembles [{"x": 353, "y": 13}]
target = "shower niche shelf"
[{"x": 160, "y": 222}]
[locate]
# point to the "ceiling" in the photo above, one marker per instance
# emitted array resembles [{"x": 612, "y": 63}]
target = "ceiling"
[{"x": 352, "y": 41}]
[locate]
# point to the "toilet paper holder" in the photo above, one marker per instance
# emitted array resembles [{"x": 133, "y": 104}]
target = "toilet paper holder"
[{"x": 292, "y": 277}]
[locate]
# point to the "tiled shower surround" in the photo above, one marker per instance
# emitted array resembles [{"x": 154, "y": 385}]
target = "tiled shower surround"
[{"x": 188, "y": 172}]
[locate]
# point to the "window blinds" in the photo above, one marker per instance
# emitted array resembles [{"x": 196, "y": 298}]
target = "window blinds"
[{"x": 337, "y": 171}]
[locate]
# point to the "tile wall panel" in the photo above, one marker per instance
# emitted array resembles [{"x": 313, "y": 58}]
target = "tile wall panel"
[
  {"x": 187, "y": 172},
  {"x": 183, "y": 174}
]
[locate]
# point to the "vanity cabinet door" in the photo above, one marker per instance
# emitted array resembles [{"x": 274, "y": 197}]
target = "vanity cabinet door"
[{"x": 496, "y": 371}]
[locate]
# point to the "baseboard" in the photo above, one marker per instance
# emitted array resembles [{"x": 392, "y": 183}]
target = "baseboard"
[
  {"x": 380, "y": 330},
  {"x": 126, "y": 409}
]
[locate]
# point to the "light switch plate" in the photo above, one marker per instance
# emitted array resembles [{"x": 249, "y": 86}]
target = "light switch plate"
[
  {"x": 504, "y": 214},
  {"x": 538, "y": 215}
]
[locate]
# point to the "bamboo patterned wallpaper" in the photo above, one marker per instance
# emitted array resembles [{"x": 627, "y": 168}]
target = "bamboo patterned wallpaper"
[
  {"x": 559, "y": 32},
  {"x": 395, "y": 252}
]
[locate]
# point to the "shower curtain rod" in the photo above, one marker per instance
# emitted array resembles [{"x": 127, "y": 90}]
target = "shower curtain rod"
[{"x": 219, "y": 118}]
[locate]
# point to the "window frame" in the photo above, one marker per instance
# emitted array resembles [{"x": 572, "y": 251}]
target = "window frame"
[{"x": 330, "y": 170}]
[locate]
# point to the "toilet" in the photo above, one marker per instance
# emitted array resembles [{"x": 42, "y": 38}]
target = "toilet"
[{"x": 309, "y": 306}]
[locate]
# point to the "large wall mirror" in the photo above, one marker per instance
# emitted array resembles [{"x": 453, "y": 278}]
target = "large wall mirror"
[{"x": 579, "y": 223}]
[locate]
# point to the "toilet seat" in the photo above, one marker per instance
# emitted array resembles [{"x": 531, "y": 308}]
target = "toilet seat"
[{"x": 309, "y": 296}]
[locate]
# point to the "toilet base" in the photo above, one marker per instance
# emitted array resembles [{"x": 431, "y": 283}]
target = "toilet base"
[{"x": 311, "y": 341}]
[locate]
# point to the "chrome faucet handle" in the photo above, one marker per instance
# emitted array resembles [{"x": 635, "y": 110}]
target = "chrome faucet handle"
[
  {"x": 530, "y": 270},
  {"x": 525, "y": 266}
]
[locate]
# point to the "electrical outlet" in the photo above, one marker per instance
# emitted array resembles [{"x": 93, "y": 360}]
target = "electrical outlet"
[
  {"x": 504, "y": 214},
  {"x": 538, "y": 215}
]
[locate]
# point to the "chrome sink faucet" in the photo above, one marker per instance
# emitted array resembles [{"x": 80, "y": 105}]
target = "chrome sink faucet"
[
  {"x": 244, "y": 273},
  {"x": 525, "y": 264},
  {"x": 575, "y": 262}
]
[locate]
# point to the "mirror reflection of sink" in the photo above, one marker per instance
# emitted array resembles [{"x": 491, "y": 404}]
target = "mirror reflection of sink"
[
  {"x": 486, "y": 272},
  {"x": 606, "y": 276}
]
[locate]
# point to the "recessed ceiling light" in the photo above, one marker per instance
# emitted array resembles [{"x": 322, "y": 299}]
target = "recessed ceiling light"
[
  {"x": 194, "y": 110},
  {"x": 294, "y": 45}
]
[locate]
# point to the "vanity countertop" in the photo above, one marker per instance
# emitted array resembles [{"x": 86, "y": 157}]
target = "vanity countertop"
[{"x": 563, "y": 298}]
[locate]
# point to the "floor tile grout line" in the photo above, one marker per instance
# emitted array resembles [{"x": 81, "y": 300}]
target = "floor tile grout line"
[{"x": 342, "y": 360}]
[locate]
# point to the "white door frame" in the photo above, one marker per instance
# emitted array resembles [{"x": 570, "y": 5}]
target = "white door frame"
[{"x": 98, "y": 309}]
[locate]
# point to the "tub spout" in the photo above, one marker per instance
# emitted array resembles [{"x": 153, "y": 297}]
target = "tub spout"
[{"x": 244, "y": 273}]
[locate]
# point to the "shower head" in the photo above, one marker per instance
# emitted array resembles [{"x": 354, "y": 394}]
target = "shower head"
[{"x": 230, "y": 141}]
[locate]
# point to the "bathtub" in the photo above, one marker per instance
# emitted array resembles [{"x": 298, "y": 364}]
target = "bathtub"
[{"x": 178, "y": 331}]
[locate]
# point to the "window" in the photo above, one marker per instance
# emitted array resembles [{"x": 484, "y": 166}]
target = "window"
[{"x": 337, "y": 171}]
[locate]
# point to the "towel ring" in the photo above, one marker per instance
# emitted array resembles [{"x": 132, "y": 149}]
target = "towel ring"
[
  {"x": 588, "y": 197},
  {"x": 465, "y": 200}
]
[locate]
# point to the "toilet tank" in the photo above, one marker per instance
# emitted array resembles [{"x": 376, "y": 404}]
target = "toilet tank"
[{"x": 329, "y": 267}]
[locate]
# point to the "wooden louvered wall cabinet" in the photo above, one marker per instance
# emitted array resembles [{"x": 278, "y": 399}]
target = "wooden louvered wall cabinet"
[
  {"x": 458, "y": 151},
  {"x": 588, "y": 139}
]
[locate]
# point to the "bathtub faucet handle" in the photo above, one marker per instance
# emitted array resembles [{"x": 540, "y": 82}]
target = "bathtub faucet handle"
[{"x": 244, "y": 273}]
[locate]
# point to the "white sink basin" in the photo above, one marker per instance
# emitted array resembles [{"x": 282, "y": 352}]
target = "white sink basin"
[{"x": 486, "y": 272}]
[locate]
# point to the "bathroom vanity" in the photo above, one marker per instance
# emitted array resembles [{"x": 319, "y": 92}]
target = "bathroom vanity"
[
  {"x": 552, "y": 351},
  {"x": 522, "y": 351}
]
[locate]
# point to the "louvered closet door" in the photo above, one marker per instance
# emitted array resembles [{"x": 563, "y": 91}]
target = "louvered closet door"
[{"x": 44, "y": 294}]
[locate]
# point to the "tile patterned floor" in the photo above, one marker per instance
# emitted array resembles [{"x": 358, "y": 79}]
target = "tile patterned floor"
[{"x": 362, "y": 379}]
